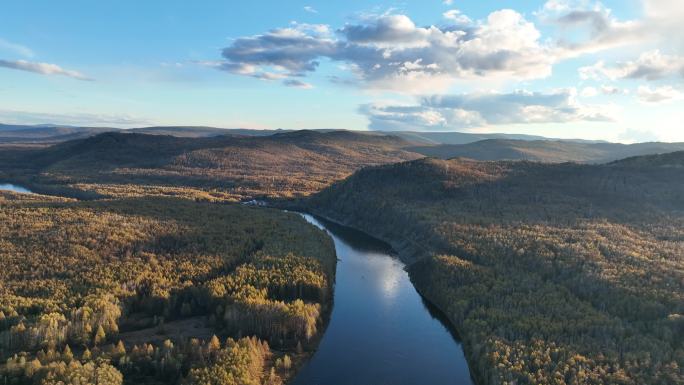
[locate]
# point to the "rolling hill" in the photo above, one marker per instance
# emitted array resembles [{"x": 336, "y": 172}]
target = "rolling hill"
[
  {"x": 545, "y": 150},
  {"x": 435, "y": 138},
  {"x": 199, "y": 131},
  {"x": 222, "y": 167},
  {"x": 46, "y": 134},
  {"x": 50, "y": 133}
]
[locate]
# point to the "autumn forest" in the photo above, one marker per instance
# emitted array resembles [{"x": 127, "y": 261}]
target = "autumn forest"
[{"x": 158, "y": 259}]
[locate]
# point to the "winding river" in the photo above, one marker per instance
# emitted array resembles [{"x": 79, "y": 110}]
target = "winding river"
[{"x": 381, "y": 331}]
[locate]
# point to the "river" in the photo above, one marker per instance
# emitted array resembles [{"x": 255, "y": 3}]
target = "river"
[
  {"x": 381, "y": 331},
  {"x": 15, "y": 188}
]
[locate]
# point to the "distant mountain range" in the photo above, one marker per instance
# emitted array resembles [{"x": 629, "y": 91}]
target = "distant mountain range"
[
  {"x": 444, "y": 145},
  {"x": 552, "y": 151},
  {"x": 48, "y": 133}
]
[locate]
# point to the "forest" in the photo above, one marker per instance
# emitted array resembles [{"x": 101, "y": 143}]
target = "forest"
[
  {"x": 226, "y": 168},
  {"x": 145, "y": 272},
  {"x": 238, "y": 165},
  {"x": 551, "y": 273},
  {"x": 157, "y": 290}
]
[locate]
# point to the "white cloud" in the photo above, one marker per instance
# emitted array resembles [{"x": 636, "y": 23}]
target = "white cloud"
[
  {"x": 310, "y": 9},
  {"x": 612, "y": 90},
  {"x": 652, "y": 65},
  {"x": 446, "y": 112},
  {"x": 664, "y": 20},
  {"x": 18, "y": 49},
  {"x": 659, "y": 94},
  {"x": 389, "y": 51},
  {"x": 595, "y": 71},
  {"x": 589, "y": 92},
  {"x": 447, "y": 2},
  {"x": 456, "y": 16},
  {"x": 631, "y": 135},
  {"x": 587, "y": 27},
  {"x": 41, "y": 68}
]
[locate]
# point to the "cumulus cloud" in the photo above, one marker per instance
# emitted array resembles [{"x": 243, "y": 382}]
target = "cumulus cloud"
[
  {"x": 658, "y": 94},
  {"x": 310, "y": 9},
  {"x": 41, "y": 68},
  {"x": 295, "y": 50},
  {"x": 456, "y": 16},
  {"x": 587, "y": 27},
  {"x": 445, "y": 112},
  {"x": 390, "y": 50},
  {"x": 652, "y": 65}
]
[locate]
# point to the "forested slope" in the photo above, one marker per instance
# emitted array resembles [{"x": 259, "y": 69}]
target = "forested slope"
[
  {"x": 552, "y": 273},
  {"x": 217, "y": 168},
  {"x": 552, "y": 151},
  {"x": 153, "y": 290}
]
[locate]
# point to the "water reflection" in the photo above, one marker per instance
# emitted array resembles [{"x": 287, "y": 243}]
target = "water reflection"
[
  {"x": 15, "y": 188},
  {"x": 380, "y": 330}
]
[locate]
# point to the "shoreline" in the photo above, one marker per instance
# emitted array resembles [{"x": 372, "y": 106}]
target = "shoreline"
[{"x": 408, "y": 260}]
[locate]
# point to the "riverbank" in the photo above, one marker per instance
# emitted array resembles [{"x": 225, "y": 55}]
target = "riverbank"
[
  {"x": 381, "y": 329},
  {"x": 410, "y": 255}
]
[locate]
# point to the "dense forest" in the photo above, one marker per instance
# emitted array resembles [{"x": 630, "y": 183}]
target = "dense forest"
[
  {"x": 554, "y": 151},
  {"x": 157, "y": 290},
  {"x": 221, "y": 168},
  {"x": 551, "y": 273},
  {"x": 199, "y": 163}
]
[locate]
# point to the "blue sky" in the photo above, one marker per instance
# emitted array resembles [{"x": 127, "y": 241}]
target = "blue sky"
[{"x": 609, "y": 70}]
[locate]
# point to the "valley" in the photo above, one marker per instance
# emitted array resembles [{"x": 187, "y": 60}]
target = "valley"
[
  {"x": 549, "y": 272},
  {"x": 342, "y": 192}
]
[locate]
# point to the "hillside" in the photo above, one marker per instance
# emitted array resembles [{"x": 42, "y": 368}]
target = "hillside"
[
  {"x": 551, "y": 273},
  {"x": 199, "y": 132},
  {"x": 222, "y": 167},
  {"x": 545, "y": 150},
  {"x": 46, "y": 134},
  {"x": 435, "y": 138},
  {"x": 51, "y": 133}
]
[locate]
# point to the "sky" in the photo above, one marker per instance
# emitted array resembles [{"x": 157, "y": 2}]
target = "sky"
[{"x": 610, "y": 70}]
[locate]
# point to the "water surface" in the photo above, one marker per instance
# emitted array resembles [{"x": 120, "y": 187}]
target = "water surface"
[
  {"x": 380, "y": 331},
  {"x": 15, "y": 188}
]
